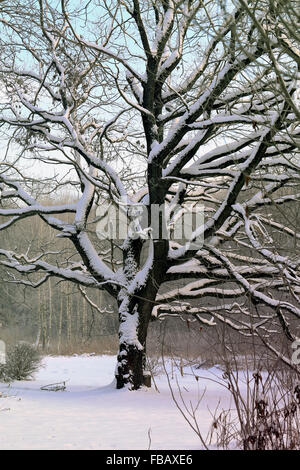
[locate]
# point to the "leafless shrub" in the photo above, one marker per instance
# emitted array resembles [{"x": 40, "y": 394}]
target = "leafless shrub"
[
  {"x": 21, "y": 362},
  {"x": 268, "y": 410},
  {"x": 154, "y": 365},
  {"x": 3, "y": 374},
  {"x": 265, "y": 393},
  {"x": 223, "y": 430}
]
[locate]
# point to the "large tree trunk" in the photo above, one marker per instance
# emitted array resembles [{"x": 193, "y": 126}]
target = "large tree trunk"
[
  {"x": 130, "y": 367},
  {"x": 132, "y": 349},
  {"x": 134, "y": 315},
  {"x": 136, "y": 302}
]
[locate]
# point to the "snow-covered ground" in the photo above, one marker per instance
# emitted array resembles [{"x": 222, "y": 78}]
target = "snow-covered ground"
[{"x": 92, "y": 414}]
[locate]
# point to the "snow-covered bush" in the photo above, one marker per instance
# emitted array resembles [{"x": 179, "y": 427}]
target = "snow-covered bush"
[{"x": 22, "y": 360}]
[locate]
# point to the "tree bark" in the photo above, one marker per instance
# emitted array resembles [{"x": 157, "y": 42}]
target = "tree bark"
[
  {"x": 133, "y": 330},
  {"x": 130, "y": 367},
  {"x": 132, "y": 347}
]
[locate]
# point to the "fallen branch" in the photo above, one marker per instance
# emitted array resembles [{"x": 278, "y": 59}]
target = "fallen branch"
[{"x": 56, "y": 387}]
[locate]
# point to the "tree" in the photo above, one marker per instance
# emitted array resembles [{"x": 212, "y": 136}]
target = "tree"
[{"x": 167, "y": 103}]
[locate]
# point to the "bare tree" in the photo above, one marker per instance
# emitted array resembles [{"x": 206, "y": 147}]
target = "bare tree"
[{"x": 165, "y": 103}]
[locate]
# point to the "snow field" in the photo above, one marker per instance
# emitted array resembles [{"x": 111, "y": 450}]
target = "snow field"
[{"x": 92, "y": 414}]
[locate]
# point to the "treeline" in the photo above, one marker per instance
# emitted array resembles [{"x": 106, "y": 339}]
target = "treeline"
[{"x": 59, "y": 316}]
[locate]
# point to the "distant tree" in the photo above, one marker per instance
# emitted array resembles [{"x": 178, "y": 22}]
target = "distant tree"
[{"x": 165, "y": 103}]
